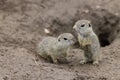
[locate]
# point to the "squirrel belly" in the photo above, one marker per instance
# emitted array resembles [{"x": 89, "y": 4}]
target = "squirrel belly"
[{"x": 84, "y": 41}]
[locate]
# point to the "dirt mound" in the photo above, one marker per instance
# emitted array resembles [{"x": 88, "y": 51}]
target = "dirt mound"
[{"x": 23, "y": 24}]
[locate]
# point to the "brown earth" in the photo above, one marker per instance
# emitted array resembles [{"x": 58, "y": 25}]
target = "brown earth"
[{"x": 22, "y": 25}]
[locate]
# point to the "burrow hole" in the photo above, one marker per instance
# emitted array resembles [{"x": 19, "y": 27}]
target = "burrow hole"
[{"x": 104, "y": 39}]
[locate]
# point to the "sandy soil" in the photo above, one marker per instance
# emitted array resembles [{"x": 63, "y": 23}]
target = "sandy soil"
[{"x": 22, "y": 24}]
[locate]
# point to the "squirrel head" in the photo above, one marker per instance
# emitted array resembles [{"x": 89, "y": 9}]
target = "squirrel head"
[
  {"x": 83, "y": 27},
  {"x": 66, "y": 39}
]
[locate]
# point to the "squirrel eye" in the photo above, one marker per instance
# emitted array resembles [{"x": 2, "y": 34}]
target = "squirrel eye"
[
  {"x": 82, "y": 25},
  {"x": 59, "y": 40},
  {"x": 89, "y": 25},
  {"x": 65, "y": 38}
]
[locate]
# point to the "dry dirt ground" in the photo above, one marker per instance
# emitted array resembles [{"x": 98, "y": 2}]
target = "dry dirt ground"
[{"x": 22, "y": 24}]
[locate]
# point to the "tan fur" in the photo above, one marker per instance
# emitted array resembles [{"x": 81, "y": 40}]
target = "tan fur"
[
  {"x": 56, "y": 48},
  {"x": 89, "y": 41}
]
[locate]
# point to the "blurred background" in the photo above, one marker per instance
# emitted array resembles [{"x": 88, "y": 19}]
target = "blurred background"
[{"x": 23, "y": 23}]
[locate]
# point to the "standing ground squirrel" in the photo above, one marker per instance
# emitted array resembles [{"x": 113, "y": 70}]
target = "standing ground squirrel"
[
  {"x": 88, "y": 40},
  {"x": 56, "y": 48}
]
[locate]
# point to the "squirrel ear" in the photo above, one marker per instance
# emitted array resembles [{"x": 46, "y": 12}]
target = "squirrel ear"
[{"x": 58, "y": 39}]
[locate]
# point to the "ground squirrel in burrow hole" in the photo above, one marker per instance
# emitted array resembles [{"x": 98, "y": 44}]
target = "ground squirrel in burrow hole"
[{"x": 88, "y": 40}]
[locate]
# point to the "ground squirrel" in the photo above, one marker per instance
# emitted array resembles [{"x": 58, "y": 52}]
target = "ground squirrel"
[
  {"x": 88, "y": 40},
  {"x": 56, "y": 48}
]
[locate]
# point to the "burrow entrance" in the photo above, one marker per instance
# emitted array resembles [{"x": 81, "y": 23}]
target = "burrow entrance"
[{"x": 104, "y": 39}]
